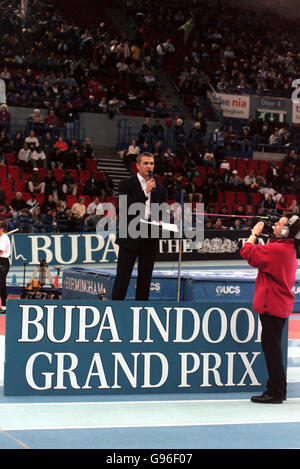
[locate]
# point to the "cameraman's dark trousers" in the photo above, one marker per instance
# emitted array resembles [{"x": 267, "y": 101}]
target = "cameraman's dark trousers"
[{"x": 272, "y": 327}]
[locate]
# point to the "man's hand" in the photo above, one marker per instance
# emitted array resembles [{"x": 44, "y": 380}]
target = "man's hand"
[{"x": 151, "y": 184}]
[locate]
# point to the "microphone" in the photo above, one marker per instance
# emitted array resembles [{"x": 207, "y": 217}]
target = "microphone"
[{"x": 150, "y": 174}]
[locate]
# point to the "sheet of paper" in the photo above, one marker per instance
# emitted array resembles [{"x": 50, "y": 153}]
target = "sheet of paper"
[{"x": 165, "y": 226}]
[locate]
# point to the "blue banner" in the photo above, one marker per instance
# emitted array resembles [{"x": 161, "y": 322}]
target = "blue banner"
[{"x": 124, "y": 347}]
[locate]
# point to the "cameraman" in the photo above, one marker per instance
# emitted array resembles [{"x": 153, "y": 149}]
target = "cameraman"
[{"x": 273, "y": 297}]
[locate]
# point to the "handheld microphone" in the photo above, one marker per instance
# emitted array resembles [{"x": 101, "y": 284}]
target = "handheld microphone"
[{"x": 150, "y": 174}]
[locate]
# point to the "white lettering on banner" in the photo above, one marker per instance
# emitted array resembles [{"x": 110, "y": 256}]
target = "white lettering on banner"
[
  {"x": 36, "y": 326},
  {"x": 207, "y": 369},
  {"x": 62, "y": 370},
  {"x": 154, "y": 323},
  {"x": 51, "y": 247}
]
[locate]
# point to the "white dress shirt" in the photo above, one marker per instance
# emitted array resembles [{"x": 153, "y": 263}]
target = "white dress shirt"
[
  {"x": 148, "y": 195},
  {"x": 4, "y": 246}
]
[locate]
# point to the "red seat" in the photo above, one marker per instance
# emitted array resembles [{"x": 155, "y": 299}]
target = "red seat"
[
  {"x": 14, "y": 172},
  {"x": 232, "y": 162},
  {"x": 84, "y": 175},
  {"x": 91, "y": 164},
  {"x": 241, "y": 164},
  {"x": 10, "y": 158},
  {"x": 58, "y": 174},
  {"x": 241, "y": 198},
  {"x": 263, "y": 165},
  {"x": 71, "y": 199},
  {"x": 3, "y": 172},
  {"x": 253, "y": 165},
  {"x": 6, "y": 185},
  {"x": 42, "y": 172},
  {"x": 229, "y": 197},
  {"x": 20, "y": 185},
  {"x": 74, "y": 173},
  {"x": 256, "y": 198}
]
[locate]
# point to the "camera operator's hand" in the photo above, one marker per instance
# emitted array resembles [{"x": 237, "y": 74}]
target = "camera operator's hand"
[{"x": 257, "y": 229}]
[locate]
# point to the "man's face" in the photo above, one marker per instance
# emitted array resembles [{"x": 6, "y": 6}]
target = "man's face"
[
  {"x": 146, "y": 164},
  {"x": 278, "y": 226}
]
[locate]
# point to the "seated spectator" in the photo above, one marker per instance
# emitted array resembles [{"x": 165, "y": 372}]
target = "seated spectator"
[
  {"x": 51, "y": 120},
  {"x": 5, "y": 144},
  {"x": 209, "y": 159},
  {"x": 79, "y": 209},
  {"x": 92, "y": 186},
  {"x": 37, "y": 120},
  {"x": 193, "y": 190},
  {"x": 107, "y": 185},
  {"x": 71, "y": 158},
  {"x": 47, "y": 146},
  {"x": 53, "y": 222},
  {"x": 131, "y": 154},
  {"x": 67, "y": 222},
  {"x": 94, "y": 212},
  {"x": 25, "y": 221},
  {"x": 61, "y": 144},
  {"x": 68, "y": 184},
  {"x": 86, "y": 148},
  {"x": 55, "y": 190},
  {"x": 274, "y": 137},
  {"x": 294, "y": 207},
  {"x": 23, "y": 158},
  {"x": 17, "y": 142},
  {"x": 32, "y": 203},
  {"x": 16, "y": 205},
  {"x": 218, "y": 225},
  {"x": 48, "y": 205},
  {"x": 282, "y": 205},
  {"x": 5, "y": 118},
  {"x": 38, "y": 158},
  {"x": 238, "y": 224},
  {"x": 39, "y": 224},
  {"x": 235, "y": 182},
  {"x": 269, "y": 204},
  {"x": 35, "y": 182},
  {"x": 250, "y": 181},
  {"x": 32, "y": 141},
  {"x": 179, "y": 131}
]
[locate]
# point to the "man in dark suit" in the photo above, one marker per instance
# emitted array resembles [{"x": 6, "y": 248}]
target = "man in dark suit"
[{"x": 144, "y": 189}]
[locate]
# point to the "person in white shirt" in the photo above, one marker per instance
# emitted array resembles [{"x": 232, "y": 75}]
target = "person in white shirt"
[
  {"x": 5, "y": 251},
  {"x": 38, "y": 158},
  {"x": 23, "y": 157}
]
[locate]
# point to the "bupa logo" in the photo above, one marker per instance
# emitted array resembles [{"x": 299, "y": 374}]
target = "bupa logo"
[{"x": 228, "y": 290}]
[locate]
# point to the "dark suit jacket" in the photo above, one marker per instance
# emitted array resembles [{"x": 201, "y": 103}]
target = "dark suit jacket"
[{"x": 131, "y": 187}]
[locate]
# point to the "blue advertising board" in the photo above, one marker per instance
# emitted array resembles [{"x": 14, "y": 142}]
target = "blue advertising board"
[{"x": 80, "y": 347}]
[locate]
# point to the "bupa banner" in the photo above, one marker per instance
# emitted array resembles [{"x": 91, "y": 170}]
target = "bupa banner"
[
  {"x": 123, "y": 347},
  {"x": 63, "y": 248},
  {"x": 68, "y": 249}
]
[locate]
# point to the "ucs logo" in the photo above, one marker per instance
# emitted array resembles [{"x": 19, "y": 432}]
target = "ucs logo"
[{"x": 228, "y": 290}]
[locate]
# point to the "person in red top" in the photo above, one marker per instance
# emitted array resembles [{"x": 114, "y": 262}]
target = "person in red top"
[{"x": 273, "y": 297}]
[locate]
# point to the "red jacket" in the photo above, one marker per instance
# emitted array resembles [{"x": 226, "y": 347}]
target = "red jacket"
[{"x": 277, "y": 265}]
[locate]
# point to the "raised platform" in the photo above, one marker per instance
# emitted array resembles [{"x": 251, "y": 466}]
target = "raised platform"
[{"x": 218, "y": 285}]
